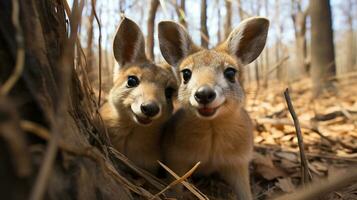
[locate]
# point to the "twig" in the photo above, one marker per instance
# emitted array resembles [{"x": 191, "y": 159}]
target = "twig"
[
  {"x": 306, "y": 175},
  {"x": 88, "y": 152},
  {"x": 322, "y": 188},
  {"x": 147, "y": 176},
  {"x": 20, "y": 53},
  {"x": 191, "y": 188},
  {"x": 100, "y": 51},
  {"x": 175, "y": 182}
]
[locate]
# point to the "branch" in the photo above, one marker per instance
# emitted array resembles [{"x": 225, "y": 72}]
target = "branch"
[
  {"x": 306, "y": 175},
  {"x": 20, "y": 54}
]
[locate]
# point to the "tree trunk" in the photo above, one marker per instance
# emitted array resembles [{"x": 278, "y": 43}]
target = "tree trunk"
[
  {"x": 351, "y": 43},
  {"x": 181, "y": 13},
  {"x": 228, "y": 18},
  {"x": 52, "y": 143},
  {"x": 299, "y": 20},
  {"x": 322, "y": 48},
  {"x": 219, "y": 34},
  {"x": 204, "y": 31},
  {"x": 266, "y": 52},
  {"x": 151, "y": 27}
]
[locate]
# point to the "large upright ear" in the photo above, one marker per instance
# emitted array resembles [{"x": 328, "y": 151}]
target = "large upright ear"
[
  {"x": 129, "y": 43},
  {"x": 175, "y": 43},
  {"x": 247, "y": 41}
]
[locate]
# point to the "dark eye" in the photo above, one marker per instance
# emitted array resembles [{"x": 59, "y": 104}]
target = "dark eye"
[
  {"x": 133, "y": 81},
  {"x": 186, "y": 75},
  {"x": 230, "y": 74},
  {"x": 169, "y": 91}
]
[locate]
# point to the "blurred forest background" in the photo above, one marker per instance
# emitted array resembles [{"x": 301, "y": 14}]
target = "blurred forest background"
[
  {"x": 57, "y": 67},
  {"x": 288, "y": 53}
]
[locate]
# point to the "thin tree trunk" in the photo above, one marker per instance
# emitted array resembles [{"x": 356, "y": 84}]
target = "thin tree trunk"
[
  {"x": 219, "y": 34},
  {"x": 151, "y": 27},
  {"x": 299, "y": 19},
  {"x": 228, "y": 18},
  {"x": 351, "y": 59},
  {"x": 322, "y": 47},
  {"x": 181, "y": 13},
  {"x": 204, "y": 31},
  {"x": 266, "y": 51}
]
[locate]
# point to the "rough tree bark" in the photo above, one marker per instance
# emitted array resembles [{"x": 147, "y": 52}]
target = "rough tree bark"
[
  {"x": 228, "y": 18},
  {"x": 204, "y": 30},
  {"x": 322, "y": 48},
  {"x": 151, "y": 28},
  {"x": 52, "y": 144}
]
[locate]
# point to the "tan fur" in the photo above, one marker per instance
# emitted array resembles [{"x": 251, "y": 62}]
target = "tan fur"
[
  {"x": 222, "y": 143},
  {"x": 139, "y": 142}
]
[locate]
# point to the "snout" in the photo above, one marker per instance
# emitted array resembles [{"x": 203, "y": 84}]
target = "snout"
[
  {"x": 150, "y": 109},
  {"x": 207, "y": 100},
  {"x": 205, "y": 95}
]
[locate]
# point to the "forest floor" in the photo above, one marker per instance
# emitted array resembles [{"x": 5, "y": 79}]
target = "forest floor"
[{"x": 329, "y": 130}]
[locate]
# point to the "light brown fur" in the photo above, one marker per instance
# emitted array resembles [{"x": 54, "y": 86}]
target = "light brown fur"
[
  {"x": 139, "y": 142},
  {"x": 223, "y": 143}
]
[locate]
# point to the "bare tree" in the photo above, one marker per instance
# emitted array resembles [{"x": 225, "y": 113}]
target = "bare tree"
[
  {"x": 322, "y": 48},
  {"x": 154, "y": 4},
  {"x": 228, "y": 18},
  {"x": 299, "y": 19},
  {"x": 204, "y": 30}
]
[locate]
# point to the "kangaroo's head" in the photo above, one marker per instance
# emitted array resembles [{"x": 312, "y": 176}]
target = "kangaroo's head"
[
  {"x": 211, "y": 80},
  {"x": 142, "y": 91}
]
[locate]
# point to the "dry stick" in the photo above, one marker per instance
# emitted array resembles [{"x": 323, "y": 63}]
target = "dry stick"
[
  {"x": 190, "y": 187},
  {"x": 147, "y": 176},
  {"x": 177, "y": 181},
  {"x": 89, "y": 152},
  {"x": 319, "y": 189},
  {"x": 305, "y": 172},
  {"x": 100, "y": 51},
  {"x": 49, "y": 157},
  {"x": 20, "y": 53}
]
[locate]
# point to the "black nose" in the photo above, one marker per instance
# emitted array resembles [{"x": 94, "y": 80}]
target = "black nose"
[
  {"x": 150, "y": 109},
  {"x": 205, "y": 95}
]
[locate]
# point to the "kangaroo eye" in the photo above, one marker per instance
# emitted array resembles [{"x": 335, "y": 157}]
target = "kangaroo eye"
[
  {"x": 169, "y": 91},
  {"x": 186, "y": 75},
  {"x": 133, "y": 81},
  {"x": 230, "y": 74}
]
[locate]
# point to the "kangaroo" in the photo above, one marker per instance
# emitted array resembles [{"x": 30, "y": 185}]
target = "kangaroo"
[
  {"x": 212, "y": 126},
  {"x": 140, "y": 100}
]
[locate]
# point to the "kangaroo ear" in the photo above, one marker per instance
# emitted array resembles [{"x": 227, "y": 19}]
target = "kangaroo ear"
[
  {"x": 129, "y": 43},
  {"x": 247, "y": 41},
  {"x": 175, "y": 43}
]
